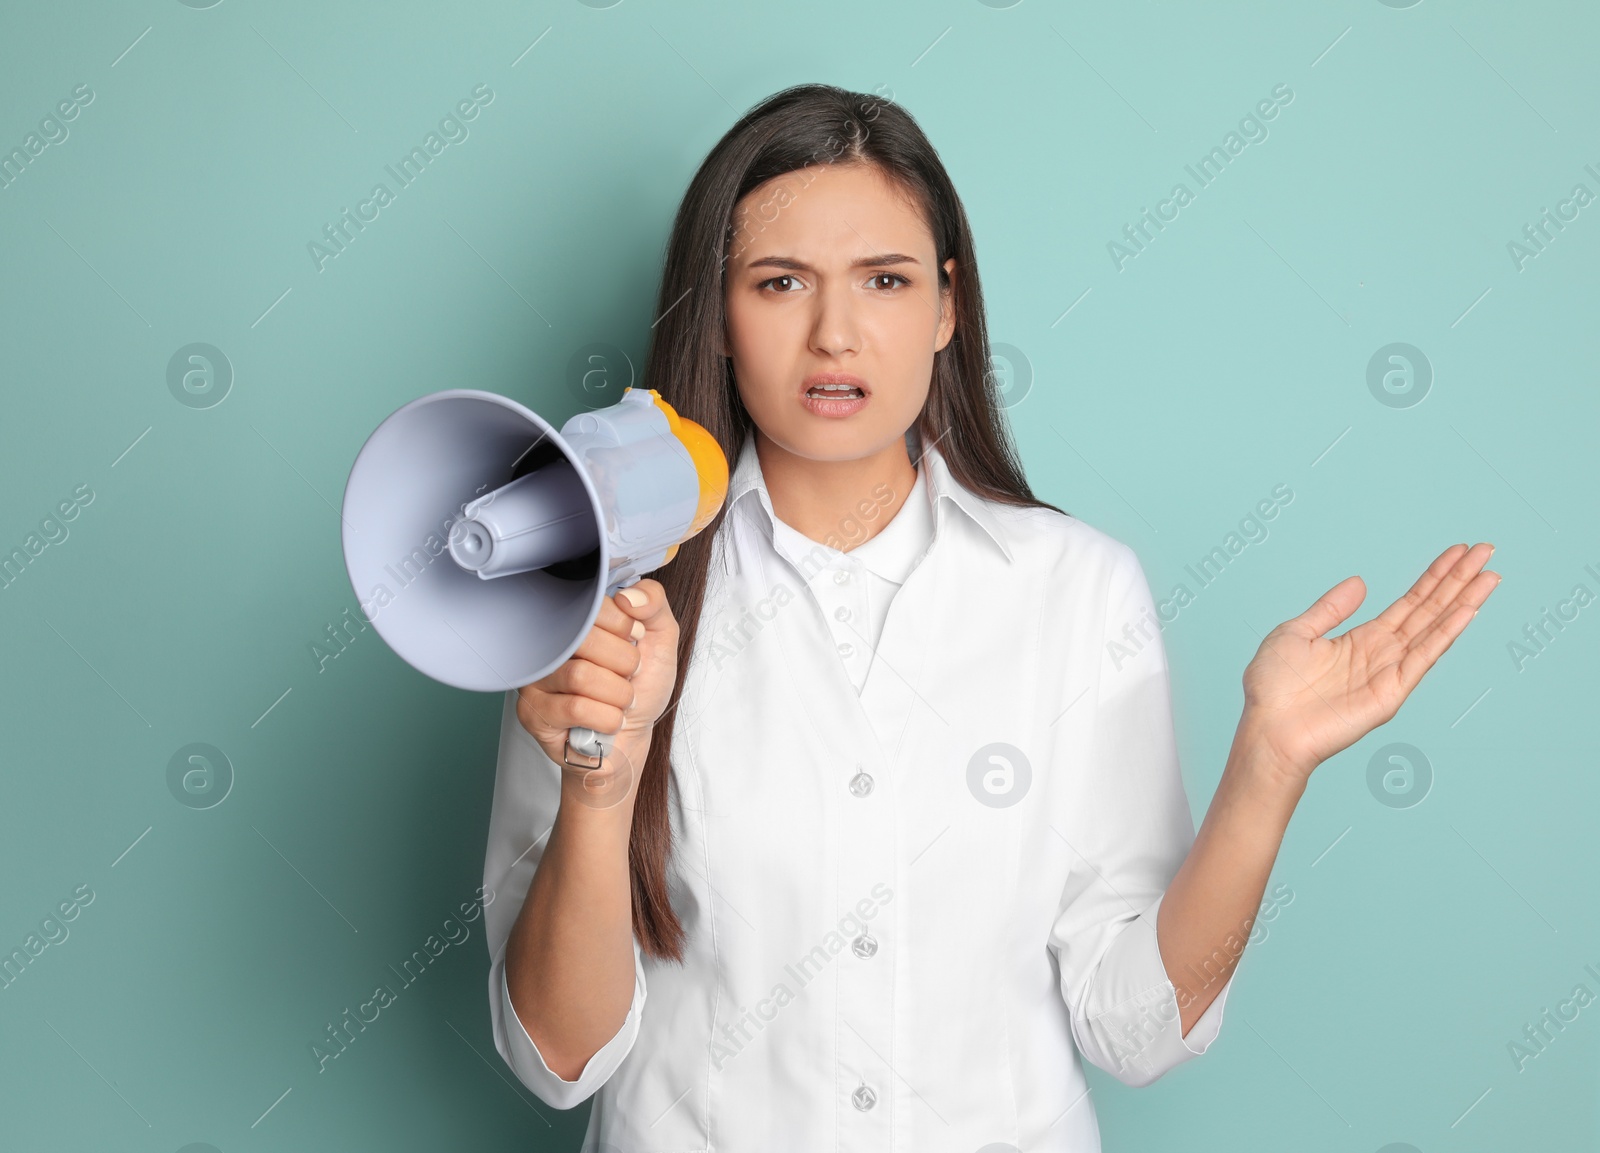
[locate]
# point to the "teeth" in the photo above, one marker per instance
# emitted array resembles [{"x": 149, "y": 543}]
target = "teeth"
[{"x": 838, "y": 389}]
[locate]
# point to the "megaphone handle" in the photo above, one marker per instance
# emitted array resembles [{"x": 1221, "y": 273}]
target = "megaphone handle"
[{"x": 585, "y": 740}]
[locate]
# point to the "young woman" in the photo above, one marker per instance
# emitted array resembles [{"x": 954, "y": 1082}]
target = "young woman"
[{"x": 893, "y": 829}]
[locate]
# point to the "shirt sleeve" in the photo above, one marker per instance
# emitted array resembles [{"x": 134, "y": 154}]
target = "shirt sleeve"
[
  {"x": 1129, "y": 831},
  {"x": 527, "y": 792}
]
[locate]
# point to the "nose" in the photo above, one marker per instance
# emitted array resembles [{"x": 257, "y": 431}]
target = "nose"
[{"x": 836, "y": 328}]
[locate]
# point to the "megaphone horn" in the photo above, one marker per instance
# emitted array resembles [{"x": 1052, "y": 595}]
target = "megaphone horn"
[{"x": 480, "y": 541}]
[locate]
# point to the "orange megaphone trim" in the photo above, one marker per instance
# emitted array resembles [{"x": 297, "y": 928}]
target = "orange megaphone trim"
[{"x": 710, "y": 464}]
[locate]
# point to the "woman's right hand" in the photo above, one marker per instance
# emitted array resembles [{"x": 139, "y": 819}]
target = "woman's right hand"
[{"x": 617, "y": 681}]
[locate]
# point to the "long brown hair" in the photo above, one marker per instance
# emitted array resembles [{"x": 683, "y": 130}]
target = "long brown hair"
[{"x": 805, "y": 125}]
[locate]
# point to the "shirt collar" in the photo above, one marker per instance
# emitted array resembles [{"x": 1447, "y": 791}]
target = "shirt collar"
[
  {"x": 941, "y": 485},
  {"x": 898, "y": 545}
]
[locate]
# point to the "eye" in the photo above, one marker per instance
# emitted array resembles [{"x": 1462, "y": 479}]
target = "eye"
[
  {"x": 774, "y": 280},
  {"x": 891, "y": 276}
]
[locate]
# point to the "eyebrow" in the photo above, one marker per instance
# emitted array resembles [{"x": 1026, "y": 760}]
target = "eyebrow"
[{"x": 788, "y": 262}]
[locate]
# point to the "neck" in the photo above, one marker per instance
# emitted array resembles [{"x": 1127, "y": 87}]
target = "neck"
[{"x": 834, "y": 501}]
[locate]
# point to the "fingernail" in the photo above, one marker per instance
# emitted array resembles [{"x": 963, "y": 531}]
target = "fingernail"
[
  {"x": 637, "y": 630},
  {"x": 635, "y": 597}
]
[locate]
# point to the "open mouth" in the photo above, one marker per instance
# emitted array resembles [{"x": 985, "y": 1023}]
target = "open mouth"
[{"x": 835, "y": 392}]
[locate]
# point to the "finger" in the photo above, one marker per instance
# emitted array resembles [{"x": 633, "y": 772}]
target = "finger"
[
  {"x": 534, "y": 710},
  {"x": 1333, "y": 606},
  {"x": 1438, "y": 602},
  {"x": 1391, "y": 617},
  {"x": 646, "y": 602},
  {"x": 586, "y": 679},
  {"x": 1431, "y": 644},
  {"x": 615, "y": 619},
  {"x": 610, "y": 651},
  {"x": 560, "y": 711}
]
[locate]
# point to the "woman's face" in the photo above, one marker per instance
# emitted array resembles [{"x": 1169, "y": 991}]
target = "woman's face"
[{"x": 831, "y": 271}]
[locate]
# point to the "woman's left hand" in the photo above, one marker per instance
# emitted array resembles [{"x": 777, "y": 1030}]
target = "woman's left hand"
[{"x": 1308, "y": 695}]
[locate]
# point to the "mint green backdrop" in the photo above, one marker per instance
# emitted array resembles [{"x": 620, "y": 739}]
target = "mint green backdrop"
[{"x": 1438, "y": 895}]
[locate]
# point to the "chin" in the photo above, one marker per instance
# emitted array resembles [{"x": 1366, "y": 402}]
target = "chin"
[{"x": 840, "y": 439}]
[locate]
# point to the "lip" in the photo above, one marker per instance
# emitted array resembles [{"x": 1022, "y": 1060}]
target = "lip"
[
  {"x": 834, "y": 409},
  {"x": 817, "y": 378}
]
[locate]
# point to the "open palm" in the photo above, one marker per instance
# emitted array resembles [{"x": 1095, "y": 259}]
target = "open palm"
[{"x": 1313, "y": 695}]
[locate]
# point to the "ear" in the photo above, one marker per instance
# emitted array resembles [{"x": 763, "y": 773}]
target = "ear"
[{"x": 947, "y": 307}]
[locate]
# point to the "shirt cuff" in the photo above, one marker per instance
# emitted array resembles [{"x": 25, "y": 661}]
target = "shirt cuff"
[
  {"x": 529, "y": 1064},
  {"x": 1142, "y": 1030}
]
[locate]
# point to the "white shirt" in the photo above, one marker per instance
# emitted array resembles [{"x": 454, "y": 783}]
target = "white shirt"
[
  {"x": 910, "y": 908},
  {"x": 854, "y": 588}
]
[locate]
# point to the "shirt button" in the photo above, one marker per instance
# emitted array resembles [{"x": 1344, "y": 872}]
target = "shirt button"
[
  {"x": 861, "y": 784},
  {"x": 864, "y": 945},
  {"x": 846, "y": 649},
  {"x": 841, "y": 613},
  {"x": 840, "y": 577},
  {"x": 863, "y": 1098}
]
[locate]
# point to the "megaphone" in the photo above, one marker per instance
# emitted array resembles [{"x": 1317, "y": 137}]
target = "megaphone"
[{"x": 480, "y": 541}]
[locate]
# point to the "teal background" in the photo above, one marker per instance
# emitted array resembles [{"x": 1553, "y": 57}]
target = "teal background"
[{"x": 1166, "y": 400}]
